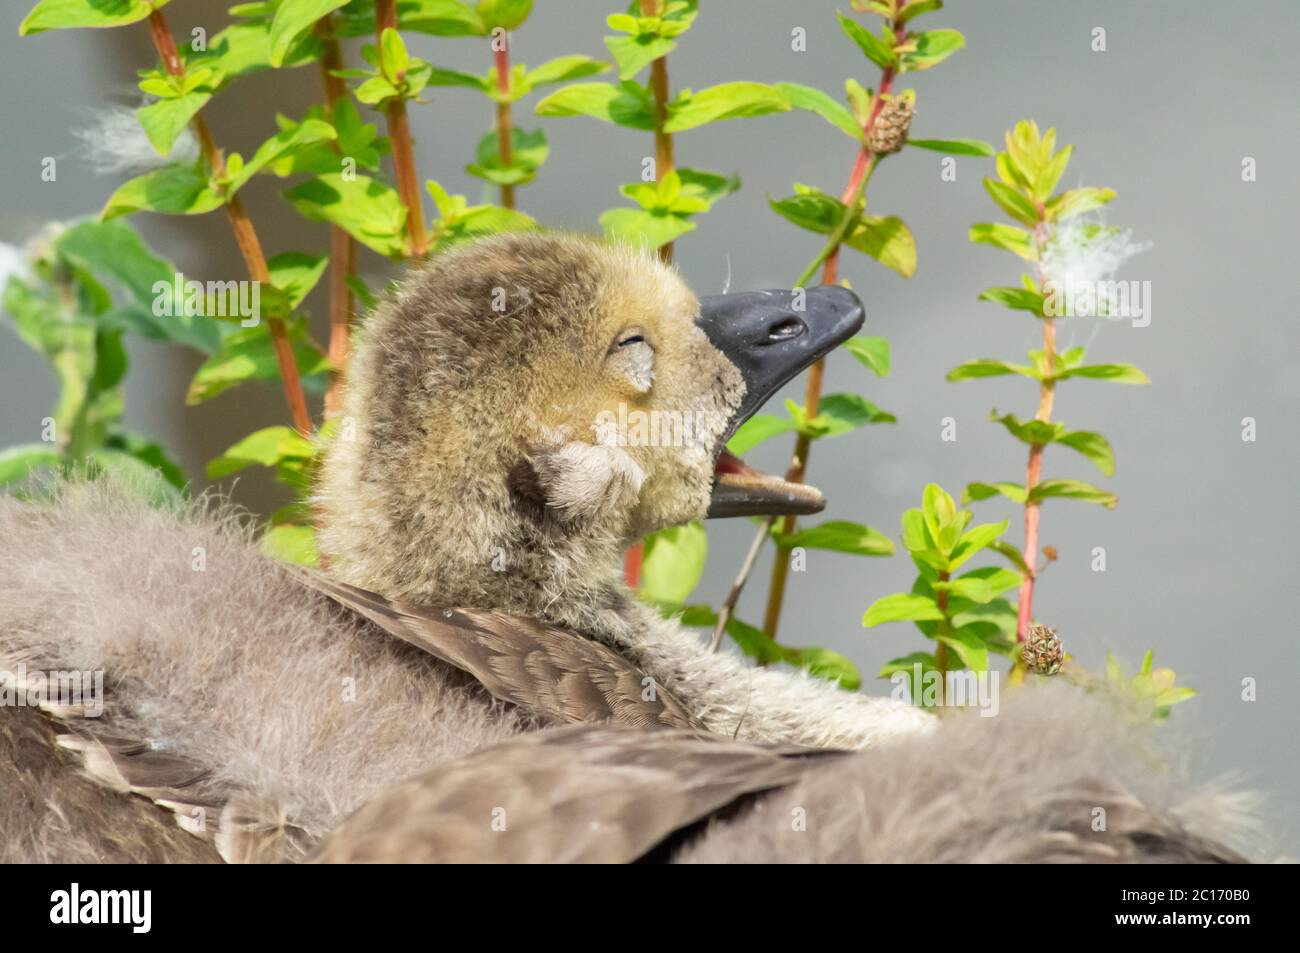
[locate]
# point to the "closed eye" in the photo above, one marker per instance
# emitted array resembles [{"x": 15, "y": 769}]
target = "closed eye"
[{"x": 632, "y": 339}]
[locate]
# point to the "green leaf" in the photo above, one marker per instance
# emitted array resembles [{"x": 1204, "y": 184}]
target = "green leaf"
[
  {"x": 956, "y": 147},
  {"x": 902, "y": 607},
  {"x": 725, "y": 101},
  {"x": 983, "y": 491},
  {"x": 507, "y": 14},
  {"x": 176, "y": 189},
  {"x": 859, "y": 101},
  {"x": 1012, "y": 555},
  {"x": 459, "y": 221},
  {"x": 839, "y": 536},
  {"x": 247, "y": 355},
  {"x": 907, "y": 665},
  {"x": 151, "y": 454},
  {"x": 267, "y": 447},
  {"x": 165, "y": 119},
  {"x": 814, "y": 100},
  {"x": 1012, "y": 202},
  {"x": 755, "y": 430},
  {"x": 115, "y": 255},
  {"x": 812, "y": 210},
  {"x": 1018, "y": 299},
  {"x": 1074, "y": 490},
  {"x": 292, "y": 544},
  {"x": 67, "y": 14},
  {"x": 918, "y": 7},
  {"x": 1007, "y": 237},
  {"x": 1077, "y": 201},
  {"x": 16, "y": 463},
  {"x": 879, "y": 51},
  {"x": 1029, "y": 431},
  {"x": 975, "y": 539},
  {"x": 528, "y": 150},
  {"x": 822, "y": 663},
  {"x": 932, "y": 48},
  {"x": 940, "y": 513},
  {"x": 706, "y": 186},
  {"x": 563, "y": 69},
  {"x": 888, "y": 240},
  {"x": 439, "y": 76},
  {"x": 1116, "y": 373},
  {"x": 296, "y": 273},
  {"x": 244, "y": 48},
  {"x": 283, "y": 145},
  {"x": 634, "y": 53},
  {"x": 1050, "y": 174},
  {"x": 841, "y": 413},
  {"x": 435, "y": 17},
  {"x": 982, "y": 585},
  {"x": 367, "y": 209},
  {"x": 988, "y": 367},
  {"x": 918, "y": 541},
  {"x": 645, "y": 228},
  {"x": 969, "y": 647},
  {"x": 873, "y": 352},
  {"x": 627, "y": 105},
  {"x": 293, "y": 18},
  {"x": 394, "y": 60},
  {"x": 1093, "y": 446},
  {"x": 831, "y": 666},
  {"x": 672, "y": 563}
]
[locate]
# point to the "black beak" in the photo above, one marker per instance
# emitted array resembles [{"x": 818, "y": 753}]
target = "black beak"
[{"x": 770, "y": 336}]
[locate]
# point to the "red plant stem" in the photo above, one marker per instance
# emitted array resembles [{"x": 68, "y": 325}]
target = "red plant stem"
[
  {"x": 399, "y": 136},
  {"x": 663, "y": 140},
  {"x": 1034, "y": 469},
  {"x": 343, "y": 249},
  {"x": 242, "y": 226},
  {"x": 504, "y": 119},
  {"x": 863, "y": 165},
  {"x": 663, "y": 165}
]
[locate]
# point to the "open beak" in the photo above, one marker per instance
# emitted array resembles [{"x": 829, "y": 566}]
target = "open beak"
[{"x": 770, "y": 342}]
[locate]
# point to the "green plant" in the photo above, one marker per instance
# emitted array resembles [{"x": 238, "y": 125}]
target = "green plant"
[
  {"x": 668, "y": 197},
  {"x": 1153, "y": 692},
  {"x": 85, "y": 287},
  {"x": 963, "y": 614},
  {"x": 509, "y": 157},
  {"x": 878, "y": 122},
  {"x": 1028, "y": 172}
]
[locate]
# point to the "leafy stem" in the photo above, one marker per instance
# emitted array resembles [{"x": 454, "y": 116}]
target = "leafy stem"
[
  {"x": 505, "y": 124},
  {"x": 242, "y": 226},
  {"x": 663, "y": 139},
  {"x": 828, "y": 259},
  {"x": 399, "y": 134},
  {"x": 944, "y": 630},
  {"x": 1034, "y": 468},
  {"x": 343, "y": 249}
]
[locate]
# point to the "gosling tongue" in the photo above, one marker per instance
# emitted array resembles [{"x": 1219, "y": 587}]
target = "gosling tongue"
[{"x": 740, "y": 490}]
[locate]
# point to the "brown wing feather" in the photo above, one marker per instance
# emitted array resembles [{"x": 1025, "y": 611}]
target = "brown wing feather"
[
  {"x": 553, "y": 671},
  {"x": 589, "y": 794}
]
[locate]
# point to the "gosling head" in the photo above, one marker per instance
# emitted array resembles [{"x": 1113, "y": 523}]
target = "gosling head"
[{"x": 526, "y": 407}]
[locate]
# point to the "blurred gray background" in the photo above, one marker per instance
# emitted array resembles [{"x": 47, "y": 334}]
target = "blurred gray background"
[{"x": 1201, "y": 551}]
